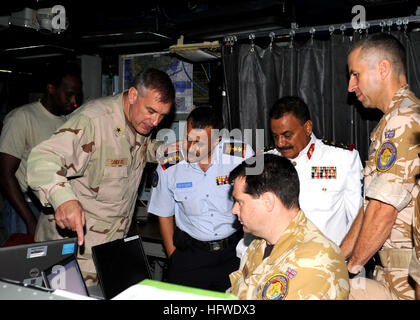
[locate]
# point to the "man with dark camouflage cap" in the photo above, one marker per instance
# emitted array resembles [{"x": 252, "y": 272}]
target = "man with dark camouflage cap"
[
  {"x": 378, "y": 78},
  {"x": 90, "y": 169},
  {"x": 291, "y": 258}
]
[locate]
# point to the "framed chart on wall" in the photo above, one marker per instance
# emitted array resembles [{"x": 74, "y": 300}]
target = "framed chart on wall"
[{"x": 179, "y": 71}]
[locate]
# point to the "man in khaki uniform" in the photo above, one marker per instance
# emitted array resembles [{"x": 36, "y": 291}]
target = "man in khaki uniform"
[
  {"x": 103, "y": 148},
  {"x": 23, "y": 129},
  {"x": 378, "y": 78},
  {"x": 292, "y": 259}
]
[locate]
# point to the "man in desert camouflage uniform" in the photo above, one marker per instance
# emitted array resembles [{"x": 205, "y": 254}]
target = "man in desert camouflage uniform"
[
  {"x": 414, "y": 269},
  {"x": 90, "y": 169},
  {"x": 378, "y": 77},
  {"x": 292, "y": 259}
]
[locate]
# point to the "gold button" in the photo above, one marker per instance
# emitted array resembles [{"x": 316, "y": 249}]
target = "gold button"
[
  {"x": 294, "y": 163},
  {"x": 324, "y": 189}
]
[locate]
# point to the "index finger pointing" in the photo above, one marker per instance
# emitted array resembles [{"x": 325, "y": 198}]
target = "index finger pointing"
[{"x": 79, "y": 230}]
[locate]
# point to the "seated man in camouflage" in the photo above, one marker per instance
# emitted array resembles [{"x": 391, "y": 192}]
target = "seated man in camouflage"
[{"x": 292, "y": 259}]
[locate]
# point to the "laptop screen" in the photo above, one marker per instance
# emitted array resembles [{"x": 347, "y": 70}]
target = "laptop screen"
[
  {"x": 120, "y": 264},
  {"x": 66, "y": 276},
  {"x": 24, "y": 263}
]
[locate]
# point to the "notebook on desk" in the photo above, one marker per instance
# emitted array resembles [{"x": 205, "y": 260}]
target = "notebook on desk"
[{"x": 120, "y": 264}]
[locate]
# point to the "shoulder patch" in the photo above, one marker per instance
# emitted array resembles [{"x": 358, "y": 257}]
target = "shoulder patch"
[
  {"x": 349, "y": 147},
  {"x": 171, "y": 159},
  {"x": 386, "y": 156},
  {"x": 275, "y": 287},
  {"x": 237, "y": 149}
]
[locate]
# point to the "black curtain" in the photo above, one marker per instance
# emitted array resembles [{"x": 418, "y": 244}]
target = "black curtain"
[{"x": 315, "y": 70}]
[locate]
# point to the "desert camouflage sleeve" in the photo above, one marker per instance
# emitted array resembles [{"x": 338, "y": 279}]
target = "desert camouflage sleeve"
[
  {"x": 66, "y": 154},
  {"x": 321, "y": 275},
  {"x": 394, "y": 185}
]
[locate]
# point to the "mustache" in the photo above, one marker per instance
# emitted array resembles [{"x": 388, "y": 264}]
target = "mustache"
[{"x": 284, "y": 148}]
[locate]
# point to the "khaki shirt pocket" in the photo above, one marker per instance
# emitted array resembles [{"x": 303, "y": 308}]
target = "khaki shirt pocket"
[{"x": 113, "y": 185}]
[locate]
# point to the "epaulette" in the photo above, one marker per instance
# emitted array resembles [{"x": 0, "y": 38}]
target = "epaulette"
[
  {"x": 266, "y": 148},
  {"x": 338, "y": 144},
  {"x": 237, "y": 149},
  {"x": 171, "y": 159},
  {"x": 269, "y": 148}
]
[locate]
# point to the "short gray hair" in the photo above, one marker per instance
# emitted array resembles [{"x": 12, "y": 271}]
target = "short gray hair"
[{"x": 152, "y": 78}]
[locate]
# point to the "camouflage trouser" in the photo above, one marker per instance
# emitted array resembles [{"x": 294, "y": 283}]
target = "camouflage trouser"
[
  {"x": 391, "y": 282},
  {"x": 85, "y": 263}
]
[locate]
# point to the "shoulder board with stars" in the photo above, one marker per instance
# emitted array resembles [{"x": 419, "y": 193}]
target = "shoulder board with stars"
[
  {"x": 339, "y": 145},
  {"x": 171, "y": 159},
  {"x": 235, "y": 149}
]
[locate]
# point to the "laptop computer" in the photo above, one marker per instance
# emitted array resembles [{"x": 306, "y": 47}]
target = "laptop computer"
[
  {"x": 25, "y": 263},
  {"x": 120, "y": 264},
  {"x": 65, "y": 275}
]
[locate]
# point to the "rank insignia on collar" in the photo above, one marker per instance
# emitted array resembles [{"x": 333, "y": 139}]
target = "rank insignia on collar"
[
  {"x": 221, "y": 180},
  {"x": 234, "y": 149},
  {"x": 324, "y": 173},
  {"x": 275, "y": 288},
  {"x": 118, "y": 131},
  {"x": 171, "y": 159},
  {"x": 311, "y": 151},
  {"x": 386, "y": 156}
]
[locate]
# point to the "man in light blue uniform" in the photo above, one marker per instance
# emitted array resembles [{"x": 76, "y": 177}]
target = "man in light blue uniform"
[{"x": 191, "y": 195}]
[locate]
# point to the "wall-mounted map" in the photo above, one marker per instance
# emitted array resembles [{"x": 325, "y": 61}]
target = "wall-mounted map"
[{"x": 179, "y": 71}]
